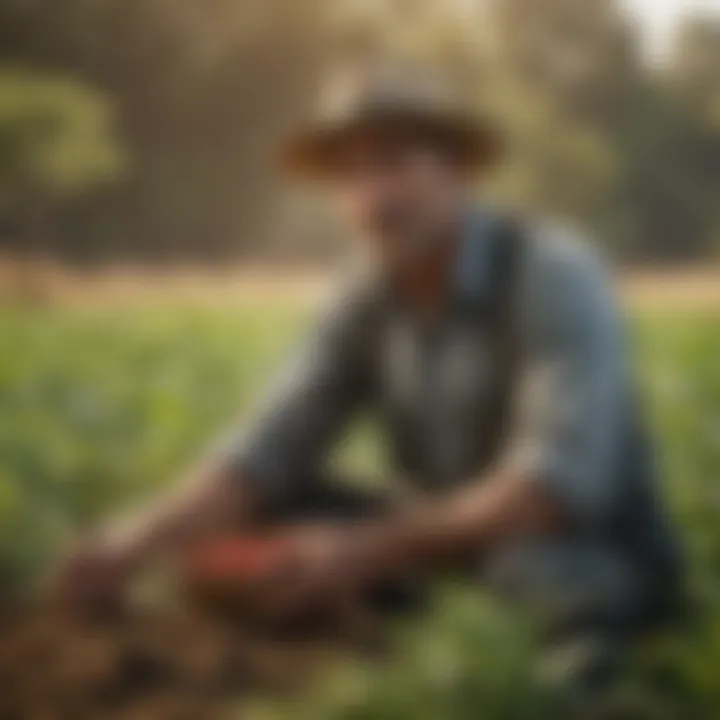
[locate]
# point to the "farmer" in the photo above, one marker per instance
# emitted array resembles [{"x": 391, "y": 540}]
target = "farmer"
[{"x": 491, "y": 351}]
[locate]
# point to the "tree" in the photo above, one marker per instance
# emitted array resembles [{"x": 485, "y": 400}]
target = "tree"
[{"x": 55, "y": 141}]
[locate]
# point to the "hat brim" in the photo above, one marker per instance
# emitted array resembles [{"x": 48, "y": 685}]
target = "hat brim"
[{"x": 318, "y": 153}]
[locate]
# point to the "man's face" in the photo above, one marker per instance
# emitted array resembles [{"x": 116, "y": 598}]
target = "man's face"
[{"x": 403, "y": 195}]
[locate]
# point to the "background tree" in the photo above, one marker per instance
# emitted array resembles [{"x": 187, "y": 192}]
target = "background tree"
[
  {"x": 55, "y": 143},
  {"x": 196, "y": 95}
]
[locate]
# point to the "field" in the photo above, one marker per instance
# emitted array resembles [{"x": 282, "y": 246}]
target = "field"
[{"x": 102, "y": 405}]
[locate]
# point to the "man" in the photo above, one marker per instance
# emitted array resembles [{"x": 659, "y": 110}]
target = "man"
[{"x": 491, "y": 351}]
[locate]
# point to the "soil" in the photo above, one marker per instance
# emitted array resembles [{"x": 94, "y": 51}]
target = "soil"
[{"x": 163, "y": 666}]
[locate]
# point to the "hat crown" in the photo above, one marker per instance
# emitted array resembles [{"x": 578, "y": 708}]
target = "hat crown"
[{"x": 382, "y": 91}]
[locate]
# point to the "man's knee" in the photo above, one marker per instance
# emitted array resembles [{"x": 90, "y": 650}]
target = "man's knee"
[
  {"x": 586, "y": 599},
  {"x": 567, "y": 582}
]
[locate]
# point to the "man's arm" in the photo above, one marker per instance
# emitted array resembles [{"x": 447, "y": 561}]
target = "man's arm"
[
  {"x": 95, "y": 576},
  {"x": 211, "y": 498},
  {"x": 306, "y": 412},
  {"x": 474, "y": 519}
]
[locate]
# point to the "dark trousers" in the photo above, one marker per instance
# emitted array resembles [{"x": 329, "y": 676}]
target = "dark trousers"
[{"x": 588, "y": 598}]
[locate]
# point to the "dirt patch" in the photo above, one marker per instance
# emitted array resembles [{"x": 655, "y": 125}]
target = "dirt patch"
[{"x": 169, "y": 666}]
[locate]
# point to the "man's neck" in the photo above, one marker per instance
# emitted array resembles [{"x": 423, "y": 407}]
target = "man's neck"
[{"x": 424, "y": 283}]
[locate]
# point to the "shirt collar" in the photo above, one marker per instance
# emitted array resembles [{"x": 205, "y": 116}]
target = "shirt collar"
[{"x": 470, "y": 275}]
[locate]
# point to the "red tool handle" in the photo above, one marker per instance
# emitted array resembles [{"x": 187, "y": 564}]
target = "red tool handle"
[{"x": 234, "y": 572}]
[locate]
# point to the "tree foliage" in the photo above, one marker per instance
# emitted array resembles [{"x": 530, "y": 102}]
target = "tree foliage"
[
  {"x": 54, "y": 135},
  {"x": 198, "y": 94}
]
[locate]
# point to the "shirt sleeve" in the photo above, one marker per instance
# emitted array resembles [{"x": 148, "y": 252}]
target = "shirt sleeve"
[
  {"x": 310, "y": 402},
  {"x": 573, "y": 382}
]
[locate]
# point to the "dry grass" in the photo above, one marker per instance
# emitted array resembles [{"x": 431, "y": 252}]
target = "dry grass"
[
  {"x": 42, "y": 283},
  {"x": 696, "y": 288}
]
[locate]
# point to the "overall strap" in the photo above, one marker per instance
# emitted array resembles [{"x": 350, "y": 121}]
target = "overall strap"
[{"x": 502, "y": 317}]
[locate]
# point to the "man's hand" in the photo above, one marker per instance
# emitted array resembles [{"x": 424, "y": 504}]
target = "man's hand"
[
  {"x": 290, "y": 573},
  {"x": 96, "y": 576},
  {"x": 94, "y": 579},
  {"x": 328, "y": 566}
]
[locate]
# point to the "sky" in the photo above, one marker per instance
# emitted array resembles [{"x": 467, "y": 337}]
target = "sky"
[{"x": 659, "y": 19}]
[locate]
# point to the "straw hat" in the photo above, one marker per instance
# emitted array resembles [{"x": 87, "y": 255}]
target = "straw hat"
[{"x": 390, "y": 103}]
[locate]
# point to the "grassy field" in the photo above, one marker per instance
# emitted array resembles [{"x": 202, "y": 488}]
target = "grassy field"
[{"x": 100, "y": 407}]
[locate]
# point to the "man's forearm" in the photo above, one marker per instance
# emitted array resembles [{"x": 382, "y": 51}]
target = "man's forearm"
[
  {"x": 472, "y": 519},
  {"x": 210, "y": 500}
]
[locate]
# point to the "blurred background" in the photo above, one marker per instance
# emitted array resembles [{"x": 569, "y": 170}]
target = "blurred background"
[
  {"x": 145, "y": 130},
  {"x": 154, "y": 266}
]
